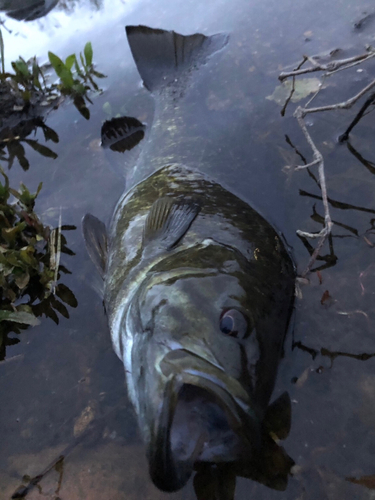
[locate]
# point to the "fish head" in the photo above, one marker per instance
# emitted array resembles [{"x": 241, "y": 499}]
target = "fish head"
[{"x": 192, "y": 365}]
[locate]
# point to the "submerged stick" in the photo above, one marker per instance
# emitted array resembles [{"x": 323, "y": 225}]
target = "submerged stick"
[
  {"x": 329, "y": 67},
  {"x": 318, "y": 160}
]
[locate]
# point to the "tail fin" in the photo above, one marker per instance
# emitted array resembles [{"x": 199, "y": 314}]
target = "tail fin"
[{"x": 164, "y": 57}]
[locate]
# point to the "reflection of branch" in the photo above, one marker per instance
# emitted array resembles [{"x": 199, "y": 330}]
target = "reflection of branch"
[
  {"x": 367, "y": 163},
  {"x": 361, "y": 112},
  {"x": 329, "y": 259},
  {"x": 338, "y": 204},
  {"x": 332, "y": 354},
  {"x": 23, "y": 490},
  {"x": 318, "y": 218}
]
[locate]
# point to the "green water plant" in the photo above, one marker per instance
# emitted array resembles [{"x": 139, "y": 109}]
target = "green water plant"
[
  {"x": 28, "y": 85},
  {"x": 29, "y": 265},
  {"x": 77, "y": 77}
]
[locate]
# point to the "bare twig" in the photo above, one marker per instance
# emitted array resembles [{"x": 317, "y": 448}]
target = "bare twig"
[
  {"x": 293, "y": 87},
  {"x": 329, "y": 67},
  {"x": 316, "y": 93},
  {"x": 318, "y": 160},
  {"x": 308, "y": 165},
  {"x": 329, "y": 73},
  {"x": 301, "y": 112},
  {"x": 340, "y": 105}
]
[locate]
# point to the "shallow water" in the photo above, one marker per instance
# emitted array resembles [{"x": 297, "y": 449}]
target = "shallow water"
[{"x": 59, "y": 378}]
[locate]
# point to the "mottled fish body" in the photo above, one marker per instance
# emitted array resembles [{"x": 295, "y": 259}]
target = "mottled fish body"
[{"x": 198, "y": 287}]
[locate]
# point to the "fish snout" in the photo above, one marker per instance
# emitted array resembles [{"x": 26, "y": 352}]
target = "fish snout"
[{"x": 204, "y": 416}]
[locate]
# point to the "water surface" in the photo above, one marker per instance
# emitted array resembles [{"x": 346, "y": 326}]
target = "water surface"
[{"x": 58, "y": 378}]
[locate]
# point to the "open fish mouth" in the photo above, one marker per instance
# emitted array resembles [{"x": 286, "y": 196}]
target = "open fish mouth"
[{"x": 204, "y": 415}]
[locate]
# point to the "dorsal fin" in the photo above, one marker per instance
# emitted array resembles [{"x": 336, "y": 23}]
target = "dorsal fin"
[
  {"x": 122, "y": 134},
  {"x": 168, "y": 221},
  {"x": 278, "y": 417},
  {"x": 163, "y": 57}
]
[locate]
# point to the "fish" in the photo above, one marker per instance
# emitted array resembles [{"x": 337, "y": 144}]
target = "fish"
[
  {"x": 198, "y": 287},
  {"x": 27, "y": 10}
]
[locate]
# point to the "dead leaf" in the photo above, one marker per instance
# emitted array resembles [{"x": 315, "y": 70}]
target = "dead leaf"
[
  {"x": 367, "y": 481},
  {"x": 85, "y": 419},
  {"x": 326, "y": 299},
  {"x": 302, "y": 379},
  {"x": 302, "y": 88}
]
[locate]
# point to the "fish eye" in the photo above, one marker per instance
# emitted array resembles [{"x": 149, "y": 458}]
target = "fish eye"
[{"x": 234, "y": 323}]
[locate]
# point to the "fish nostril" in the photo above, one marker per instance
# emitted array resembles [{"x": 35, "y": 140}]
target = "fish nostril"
[{"x": 171, "y": 360}]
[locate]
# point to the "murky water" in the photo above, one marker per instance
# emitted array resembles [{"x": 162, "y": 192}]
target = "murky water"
[{"x": 59, "y": 378}]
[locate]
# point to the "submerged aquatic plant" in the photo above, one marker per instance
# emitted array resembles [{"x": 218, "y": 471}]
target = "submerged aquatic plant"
[{"x": 29, "y": 265}]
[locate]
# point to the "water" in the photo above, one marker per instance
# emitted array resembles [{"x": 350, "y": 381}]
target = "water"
[{"x": 59, "y": 378}]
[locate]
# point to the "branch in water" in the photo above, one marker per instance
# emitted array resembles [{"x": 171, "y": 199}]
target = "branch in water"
[
  {"x": 301, "y": 112},
  {"x": 329, "y": 67}
]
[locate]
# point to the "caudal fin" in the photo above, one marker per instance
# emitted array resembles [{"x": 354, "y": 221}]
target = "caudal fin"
[{"x": 163, "y": 58}]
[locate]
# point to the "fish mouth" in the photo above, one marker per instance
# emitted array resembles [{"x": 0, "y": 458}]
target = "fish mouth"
[{"x": 199, "y": 402}]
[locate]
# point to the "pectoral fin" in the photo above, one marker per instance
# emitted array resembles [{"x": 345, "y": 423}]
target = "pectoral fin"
[
  {"x": 215, "y": 482},
  {"x": 279, "y": 416},
  {"x": 95, "y": 235},
  {"x": 168, "y": 221}
]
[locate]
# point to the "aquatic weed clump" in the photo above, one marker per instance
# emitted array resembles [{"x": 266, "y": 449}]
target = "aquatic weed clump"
[
  {"x": 29, "y": 265},
  {"x": 28, "y": 85},
  {"x": 77, "y": 80}
]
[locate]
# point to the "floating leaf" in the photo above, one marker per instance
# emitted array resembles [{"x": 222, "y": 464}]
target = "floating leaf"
[
  {"x": 20, "y": 66},
  {"x": 107, "y": 108},
  {"x": 79, "y": 103},
  {"x": 79, "y": 88},
  {"x": 59, "y": 306},
  {"x": 62, "y": 71},
  {"x": 49, "y": 134},
  {"x": 36, "y": 71},
  {"x": 98, "y": 75},
  {"x": 88, "y": 53},
  {"x": 16, "y": 149},
  {"x": 27, "y": 256},
  {"x": 367, "y": 481},
  {"x": 50, "y": 313},
  {"x": 23, "y": 280},
  {"x": 302, "y": 88},
  {"x": 64, "y": 270},
  {"x": 43, "y": 150},
  {"x": 66, "y": 295},
  {"x": 19, "y": 317},
  {"x": 10, "y": 234},
  {"x": 78, "y": 69},
  {"x": 82, "y": 61},
  {"x": 69, "y": 61}
]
